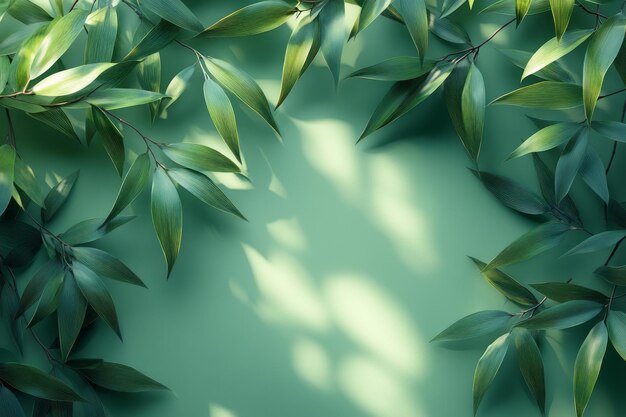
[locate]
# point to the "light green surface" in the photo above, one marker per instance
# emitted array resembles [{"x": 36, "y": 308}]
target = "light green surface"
[{"x": 354, "y": 257}]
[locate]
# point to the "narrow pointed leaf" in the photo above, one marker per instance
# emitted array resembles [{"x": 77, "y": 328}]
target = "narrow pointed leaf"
[
  {"x": 174, "y": 11},
  {"x": 569, "y": 163},
  {"x": 446, "y": 30},
  {"x": 57, "y": 196},
  {"x": 175, "y": 89},
  {"x": 611, "y": 129},
  {"x": 333, "y": 35},
  {"x": 370, "y": 10},
  {"x": 512, "y": 194},
  {"x": 49, "y": 299},
  {"x": 416, "y": 21},
  {"x": 601, "y": 52},
  {"x": 547, "y": 138},
  {"x": 58, "y": 120},
  {"x": 561, "y": 13},
  {"x": 71, "y": 80},
  {"x": 119, "y": 98},
  {"x": 149, "y": 76},
  {"x": 9, "y": 404},
  {"x": 616, "y": 324},
  {"x": 222, "y": 113},
  {"x": 521, "y": 9},
  {"x": 506, "y": 285},
  {"x": 204, "y": 189},
  {"x": 475, "y": 325},
  {"x": 562, "y": 292},
  {"x": 25, "y": 179},
  {"x": 473, "y": 111},
  {"x": 156, "y": 39},
  {"x": 112, "y": 138},
  {"x": 37, "y": 383},
  {"x": 487, "y": 368},
  {"x": 167, "y": 216},
  {"x": 106, "y": 265},
  {"x": 600, "y": 241},
  {"x": 540, "y": 239},
  {"x": 120, "y": 378},
  {"x": 7, "y": 164},
  {"x": 199, "y": 157},
  {"x": 453, "y": 93},
  {"x": 531, "y": 365},
  {"x": 92, "y": 229},
  {"x": 36, "y": 286},
  {"x": 451, "y": 6},
  {"x": 101, "y": 35},
  {"x": 555, "y": 49},
  {"x": 587, "y": 366},
  {"x": 97, "y": 295},
  {"x": 132, "y": 184},
  {"x": 553, "y": 71},
  {"x": 593, "y": 172},
  {"x": 616, "y": 275},
  {"x": 70, "y": 315},
  {"x": 552, "y": 95},
  {"x": 399, "y": 68},
  {"x": 256, "y": 18},
  {"x": 563, "y": 316}
]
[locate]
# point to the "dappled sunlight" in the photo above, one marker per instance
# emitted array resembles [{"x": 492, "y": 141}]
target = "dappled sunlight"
[
  {"x": 311, "y": 363},
  {"x": 373, "y": 388},
  {"x": 327, "y": 145},
  {"x": 288, "y": 293},
  {"x": 216, "y": 410},
  {"x": 394, "y": 212},
  {"x": 288, "y": 233},
  {"x": 375, "y": 322}
]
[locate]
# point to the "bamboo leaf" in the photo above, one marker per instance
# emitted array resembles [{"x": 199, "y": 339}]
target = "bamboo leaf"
[
  {"x": 475, "y": 325},
  {"x": 49, "y": 299},
  {"x": 552, "y": 95},
  {"x": 569, "y": 163},
  {"x": 204, "y": 189},
  {"x": 119, "y": 98},
  {"x": 531, "y": 365},
  {"x": 58, "y": 120},
  {"x": 521, "y": 9},
  {"x": 175, "y": 89},
  {"x": 416, "y": 21},
  {"x": 132, "y": 184},
  {"x": 506, "y": 285},
  {"x": 592, "y": 171},
  {"x": 473, "y": 111},
  {"x": 101, "y": 36},
  {"x": 616, "y": 324},
  {"x": 106, "y": 265},
  {"x": 24, "y": 178},
  {"x": 616, "y": 275},
  {"x": 167, "y": 216},
  {"x": 587, "y": 366},
  {"x": 70, "y": 315},
  {"x": 561, "y": 13},
  {"x": 9, "y": 404},
  {"x": 333, "y": 35},
  {"x": 555, "y": 49},
  {"x": 512, "y": 194},
  {"x": 547, "y": 138},
  {"x": 601, "y": 52},
  {"x": 399, "y": 68},
  {"x": 611, "y": 129},
  {"x": 120, "y": 378},
  {"x": 563, "y": 316},
  {"x": 57, "y": 196},
  {"x": 156, "y": 39},
  {"x": 112, "y": 138},
  {"x": 554, "y": 71},
  {"x": 487, "y": 368},
  {"x": 370, "y": 10},
  {"x": 7, "y": 164},
  {"x": 603, "y": 240},
  {"x": 199, "y": 157},
  {"x": 149, "y": 76},
  {"x": 92, "y": 229},
  {"x": 222, "y": 114},
  {"x": 256, "y": 18},
  {"x": 37, "y": 383},
  {"x": 174, "y": 11},
  {"x": 562, "y": 292},
  {"x": 35, "y": 287}
]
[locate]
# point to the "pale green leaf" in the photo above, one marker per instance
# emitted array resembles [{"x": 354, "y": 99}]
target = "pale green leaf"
[
  {"x": 506, "y": 285},
  {"x": 399, "y": 68},
  {"x": 174, "y": 11},
  {"x": 544, "y": 95},
  {"x": 222, "y": 113},
  {"x": 149, "y": 76},
  {"x": 175, "y": 89},
  {"x": 25, "y": 179},
  {"x": 101, "y": 36},
  {"x": 416, "y": 21},
  {"x": 333, "y": 35},
  {"x": 616, "y": 324},
  {"x": 553, "y": 71},
  {"x": 199, "y": 157},
  {"x": 587, "y": 366},
  {"x": 547, "y": 138},
  {"x": 71, "y": 80},
  {"x": 561, "y": 13},
  {"x": 554, "y": 49},
  {"x": 370, "y": 10},
  {"x": 256, "y": 18}
]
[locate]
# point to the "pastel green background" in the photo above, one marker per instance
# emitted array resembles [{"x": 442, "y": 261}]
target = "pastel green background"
[{"x": 354, "y": 257}]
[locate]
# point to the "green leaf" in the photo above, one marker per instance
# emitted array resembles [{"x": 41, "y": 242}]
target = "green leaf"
[
  {"x": 57, "y": 196},
  {"x": 473, "y": 111},
  {"x": 256, "y": 18},
  {"x": 19, "y": 243},
  {"x": 547, "y": 138},
  {"x": 298, "y": 48},
  {"x": 399, "y": 68},
  {"x": 563, "y": 316},
  {"x": 5, "y": 67},
  {"x": 222, "y": 113},
  {"x": 120, "y": 378},
  {"x": 592, "y": 171},
  {"x": 553, "y": 71},
  {"x": 416, "y": 21},
  {"x": 506, "y": 285},
  {"x": 156, "y": 39},
  {"x": 119, "y": 98},
  {"x": 7, "y": 164},
  {"x": 569, "y": 163},
  {"x": 101, "y": 35},
  {"x": 49, "y": 299},
  {"x": 174, "y": 11},
  {"x": 106, "y": 265},
  {"x": 561, "y": 13},
  {"x": 149, "y": 76},
  {"x": 97, "y": 295},
  {"x": 475, "y": 325},
  {"x": 27, "y": 11},
  {"x": 58, "y": 120},
  {"x": 587, "y": 366},
  {"x": 71, "y": 80},
  {"x": 540, "y": 239},
  {"x": 446, "y": 30},
  {"x": 487, "y": 368},
  {"x": 112, "y": 138},
  {"x": 531, "y": 365},
  {"x": 616, "y": 275},
  {"x": 70, "y": 315},
  {"x": 199, "y": 157},
  {"x": 333, "y": 35},
  {"x": 598, "y": 242},
  {"x": 554, "y": 49},
  {"x": 552, "y": 95},
  {"x": 175, "y": 89},
  {"x": 562, "y": 292},
  {"x": 25, "y": 179},
  {"x": 512, "y": 194},
  {"x": 61, "y": 34},
  {"x": 37, "y": 383},
  {"x": 616, "y": 324},
  {"x": 92, "y": 229},
  {"x": 453, "y": 92},
  {"x": 23, "y": 59},
  {"x": 9, "y": 404},
  {"x": 204, "y": 189},
  {"x": 35, "y": 287},
  {"x": 243, "y": 86},
  {"x": 601, "y": 52},
  {"x": 167, "y": 216},
  {"x": 521, "y": 9},
  {"x": 370, "y": 10},
  {"x": 613, "y": 130},
  {"x": 132, "y": 184},
  {"x": 620, "y": 62},
  {"x": 450, "y": 6}
]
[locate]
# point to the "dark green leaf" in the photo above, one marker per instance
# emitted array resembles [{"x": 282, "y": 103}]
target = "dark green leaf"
[
  {"x": 616, "y": 324},
  {"x": 49, "y": 299},
  {"x": 222, "y": 113},
  {"x": 611, "y": 129},
  {"x": 112, "y": 138},
  {"x": 120, "y": 378},
  {"x": 475, "y": 325},
  {"x": 174, "y": 11},
  {"x": 453, "y": 93},
  {"x": 92, "y": 229},
  {"x": 569, "y": 163},
  {"x": 167, "y": 216},
  {"x": 37, "y": 284},
  {"x": 57, "y": 196},
  {"x": 616, "y": 275},
  {"x": 98, "y": 297},
  {"x": 531, "y": 244},
  {"x": 333, "y": 35},
  {"x": 8, "y": 306},
  {"x": 70, "y": 315},
  {"x": 564, "y": 315},
  {"x": 370, "y": 10},
  {"x": 598, "y": 242},
  {"x": 199, "y": 157},
  {"x": 547, "y": 138},
  {"x": 506, "y": 285},
  {"x": 562, "y": 292},
  {"x": 20, "y": 243},
  {"x": 473, "y": 111},
  {"x": 158, "y": 38},
  {"x": 9, "y": 404},
  {"x": 512, "y": 194},
  {"x": 416, "y": 20},
  {"x": 256, "y": 18},
  {"x": 106, "y": 265},
  {"x": 149, "y": 76},
  {"x": 544, "y": 95},
  {"x": 58, "y": 120},
  {"x": 7, "y": 164},
  {"x": 531, "y": 365},
  {"x": 446, "y": 30},
  {"x": 450, "y": 6},
  {"x": 37, "y": 383},
  {"x": 587, "y": 366},
  {"x": 399, "y": 68},
  {"x": 592, "y": 171},
  {"x": 132, "y": 184},
  {"x": 25, "y": 179},
  {"x": 204, "y": 189},
  {"x": 118, "y": 98},
  {"x": 487, "y": 368}
]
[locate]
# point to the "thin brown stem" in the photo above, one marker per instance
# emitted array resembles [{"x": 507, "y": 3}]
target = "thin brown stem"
[
  {"x": 611, "y": 94},
  {"x": 475, "y": 49}
]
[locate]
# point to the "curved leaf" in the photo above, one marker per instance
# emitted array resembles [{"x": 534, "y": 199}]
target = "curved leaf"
[
  {"x": 473, "y": 111},
  {"x": 101, "y": 35},
  {"x": 167, "y": 216},
  {"x": 112, "y": 138},
  {"x": 616, "y": 324},
  {"x": 120, "y": 378},
  {"x": 552, "y": 95},
  {"x": 119, "y": 98},
  {"x": 35, "y": 287},
  {"x": 70, "y": 315},
  {"x": 512, "y": 194},
  {"x": 547, "y": 138},
  {"x": 487, "y": 368},
  {"x": 104, "y": 264},
  {"x": 399, "y": 68},
  {"x": 593, "y": 172},
  {"x": 475, "y": 325},
  {"x": 370, "y": 10},
  {"x": 25, "y": 179},
  {"x": 174, "y": 11},
  {"x": 561, "y": 13},
  {"x": 416, "y": 21},
  {"x": 562, "y": 292},
  {"x": 92, "y": 229},
  {"x": 521, "y": 9},
  {"x": 256, "y": 18},
  {"x": 587, "y": 366},
  {"x": 222, "y": 114},
  {"x": 9, "y": 404},
  {"x": 531, "y": 365},
  {"x": 175, "y": 89},
  {"x": 554, "y": 49},
  {"x": 553, "y": 71},
  {"x": 57, "y": 196},
  {"x": 37, "y": 383},
  {"x": 149, "y": 76},
  {"x": 132, "y": 184},
  {"x": 564, "y": 315},
  {"x": 598, "y": 242},
  {"x": 333, "y": 35},
  {"x": 506, "y": 285},
  {"x": 156, "y": 39},
  {"x": 569, "y": 163},
  {"x": 49, "y": 299},
  {"x": 71, "y": 80},
  {"x": 199, "y": 157},
  {"x": 7, "y": 164},
  {"x": 616, "y": 275}
]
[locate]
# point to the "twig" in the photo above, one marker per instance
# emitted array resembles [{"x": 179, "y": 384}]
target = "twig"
[{"x": 475, "y": 49}]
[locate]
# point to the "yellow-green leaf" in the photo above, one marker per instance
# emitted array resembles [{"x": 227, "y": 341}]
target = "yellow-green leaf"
[
  {"x": 554, "y": 49},
  {"x": 561, "y": 13},
  {"x": 587, "y": 366},
  {"x": 473, "y": 111},
  {"x": 256, "y": 18},
  {"x": 222, "y": 113}
]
